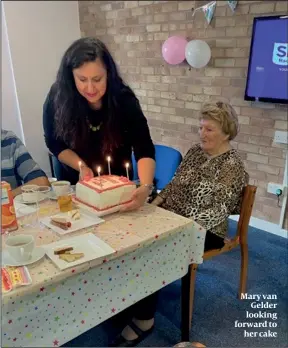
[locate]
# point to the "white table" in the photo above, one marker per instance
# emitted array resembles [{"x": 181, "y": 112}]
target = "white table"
[{"x": 154, "y": 248}]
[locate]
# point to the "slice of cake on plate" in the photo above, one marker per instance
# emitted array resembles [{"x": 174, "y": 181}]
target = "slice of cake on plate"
[{"x": 105, "y": 192}]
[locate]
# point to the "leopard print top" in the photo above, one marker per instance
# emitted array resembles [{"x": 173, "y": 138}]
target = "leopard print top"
[{"x": 207, "y": 190}]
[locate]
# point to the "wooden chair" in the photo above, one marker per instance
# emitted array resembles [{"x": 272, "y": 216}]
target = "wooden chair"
[{"x": 249, "y": 193}]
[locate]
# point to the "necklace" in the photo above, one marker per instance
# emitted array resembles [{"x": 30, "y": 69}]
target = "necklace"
[{"x": 94, "y": 128}]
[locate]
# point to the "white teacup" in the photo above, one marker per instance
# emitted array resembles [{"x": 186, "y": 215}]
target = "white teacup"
[
  {"x": 29, "y": 193},
  {"x": 61, "y": 188},
  {"x": 20, "y": 247},
  {"x": 51, "y": 180}
]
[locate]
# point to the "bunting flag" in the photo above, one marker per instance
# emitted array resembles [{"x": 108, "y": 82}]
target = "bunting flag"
[
  {"x": 232, "y": 4},
  {"x": 209, "y": 10}
]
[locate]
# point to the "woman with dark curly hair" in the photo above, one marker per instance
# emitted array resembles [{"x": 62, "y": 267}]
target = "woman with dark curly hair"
[{"x": 90, "y": 114}]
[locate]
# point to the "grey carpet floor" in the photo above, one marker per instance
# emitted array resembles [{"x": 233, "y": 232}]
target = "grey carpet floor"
[{"x": 216, "y": 307}]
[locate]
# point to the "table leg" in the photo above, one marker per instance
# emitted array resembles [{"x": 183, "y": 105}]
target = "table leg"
[{"x": 185, "y": 295}]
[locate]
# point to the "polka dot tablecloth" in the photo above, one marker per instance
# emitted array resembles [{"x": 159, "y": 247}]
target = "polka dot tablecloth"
[{"x": 153, "y": 248}]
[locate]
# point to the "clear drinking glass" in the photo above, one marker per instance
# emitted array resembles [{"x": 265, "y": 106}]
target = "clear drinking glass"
[
  {"x": 46, "y": 203},
  {"x": 27, "y": 217},
  {"x": 41, "y": 193}
]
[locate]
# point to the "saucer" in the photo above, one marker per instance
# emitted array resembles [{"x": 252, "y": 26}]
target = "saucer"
[
  {"x": 37, "y": 254},
  {"x": 20, "y": 199}
]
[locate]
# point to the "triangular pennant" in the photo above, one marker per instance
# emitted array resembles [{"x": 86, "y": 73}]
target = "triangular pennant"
[
  {"x": 209, "y": 10},
  {"x": 232, "y": 4}
]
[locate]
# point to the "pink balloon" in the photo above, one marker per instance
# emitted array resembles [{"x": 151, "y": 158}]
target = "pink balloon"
[{"x": 173, "y": 50}]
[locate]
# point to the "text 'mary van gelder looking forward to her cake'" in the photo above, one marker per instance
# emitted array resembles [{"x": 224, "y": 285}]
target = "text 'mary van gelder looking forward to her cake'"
[{"x": 260, "y": 317}]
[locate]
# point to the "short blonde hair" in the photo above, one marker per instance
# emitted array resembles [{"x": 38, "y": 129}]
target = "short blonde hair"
[{"x": 224, "y": 114}]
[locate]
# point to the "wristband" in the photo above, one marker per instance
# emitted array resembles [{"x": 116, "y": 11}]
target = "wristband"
[{"x": 149, "y": 186}]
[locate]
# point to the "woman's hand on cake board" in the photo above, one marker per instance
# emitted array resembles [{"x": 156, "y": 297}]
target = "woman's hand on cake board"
[
  {"x": 139, "y": 198},
  {"x": 86, "y": 173}
]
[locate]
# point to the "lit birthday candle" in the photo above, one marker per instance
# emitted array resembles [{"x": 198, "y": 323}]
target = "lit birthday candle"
[
  {"x": 127, "y": 170},
  {"x": 109, "y": 167},
  {"x": 99, "y": 174},
  {"x": 80, "y": 169}
]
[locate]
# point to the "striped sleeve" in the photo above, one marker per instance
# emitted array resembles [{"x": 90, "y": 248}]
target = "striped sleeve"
[{"x": 26, "y": 168}]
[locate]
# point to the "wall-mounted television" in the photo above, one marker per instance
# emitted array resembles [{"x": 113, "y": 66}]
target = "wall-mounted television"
[{"x": 267, "y": 78}]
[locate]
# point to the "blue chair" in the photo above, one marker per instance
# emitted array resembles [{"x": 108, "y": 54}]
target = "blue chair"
[
  {"x": 134, "y": 165},
  {"x": 61, "y": 171},
  {"x": 57, "y": 169},
  {"x": 167, "y": 161}
]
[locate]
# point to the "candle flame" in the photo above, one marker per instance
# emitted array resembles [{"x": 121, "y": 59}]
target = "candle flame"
[
  {"x": 99, "y": 169},
  {"x": 108, "y": 158},
  {"x": 80, "y": 163},
  {"x": 127, "y": 165}
]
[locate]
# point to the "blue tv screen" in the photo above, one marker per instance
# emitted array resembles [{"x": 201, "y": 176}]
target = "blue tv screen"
[{"x": 267, "y": 78}]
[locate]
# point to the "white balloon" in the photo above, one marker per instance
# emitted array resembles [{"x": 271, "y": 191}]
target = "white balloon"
[{"x": 197, "y": 53}]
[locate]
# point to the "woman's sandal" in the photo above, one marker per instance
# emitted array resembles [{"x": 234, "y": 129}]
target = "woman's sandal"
[{"x": 120, "y": 341}]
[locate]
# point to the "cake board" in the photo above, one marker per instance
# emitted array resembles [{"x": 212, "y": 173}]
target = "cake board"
[{"x": 97, "y": 212}]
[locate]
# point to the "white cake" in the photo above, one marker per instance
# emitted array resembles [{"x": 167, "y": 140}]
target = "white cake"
[{"x": 105, "y": 192}]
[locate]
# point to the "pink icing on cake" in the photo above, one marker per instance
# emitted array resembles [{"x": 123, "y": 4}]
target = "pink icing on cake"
[
  {"x": 106, "y": 182},
  {"x": 105, "y": 192}
]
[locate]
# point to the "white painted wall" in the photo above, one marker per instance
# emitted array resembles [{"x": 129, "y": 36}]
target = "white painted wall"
[
  {"x": 39, "y": 32},
  {"x": 11, "y": 118}
]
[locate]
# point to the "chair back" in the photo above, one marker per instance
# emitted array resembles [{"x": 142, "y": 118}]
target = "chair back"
[
  {"x": 167, "y": 161},
  {"x": 63, "y": 172},
  {"x": 134, "y": 165},
  {"x": 248, "y": 199},
  {"x": 58, "y": 168}
]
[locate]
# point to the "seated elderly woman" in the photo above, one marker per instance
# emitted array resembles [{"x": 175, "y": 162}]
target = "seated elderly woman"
[
  {"x": 208, "y": 184},
  {"x": 207, "y": 188}
]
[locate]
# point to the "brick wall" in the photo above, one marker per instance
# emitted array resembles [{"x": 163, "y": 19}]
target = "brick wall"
[{"x": 171, "y": 96}]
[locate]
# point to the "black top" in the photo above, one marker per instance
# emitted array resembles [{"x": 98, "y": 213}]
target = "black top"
[{"x": 133, "y": 129}]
